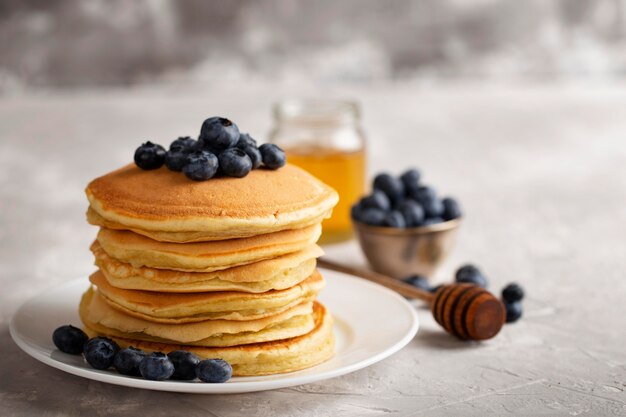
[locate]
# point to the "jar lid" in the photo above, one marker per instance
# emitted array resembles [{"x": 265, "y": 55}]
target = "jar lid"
[{"x": 317, "y": 112}]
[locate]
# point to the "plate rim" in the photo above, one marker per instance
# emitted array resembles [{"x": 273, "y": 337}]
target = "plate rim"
[{"x": 228, "y": 388}]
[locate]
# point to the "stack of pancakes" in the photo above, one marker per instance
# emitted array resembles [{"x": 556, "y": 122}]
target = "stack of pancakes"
[{"x": 223, "y": 268}]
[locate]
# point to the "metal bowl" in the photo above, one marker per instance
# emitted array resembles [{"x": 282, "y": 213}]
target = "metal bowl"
[{"x": 403, "y": 252}]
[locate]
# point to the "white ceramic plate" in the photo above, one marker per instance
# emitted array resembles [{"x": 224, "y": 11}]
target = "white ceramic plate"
[{"x": 371, "y": 323}]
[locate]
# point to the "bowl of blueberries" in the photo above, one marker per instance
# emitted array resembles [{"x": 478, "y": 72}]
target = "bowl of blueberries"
[{"x": 404, "y": 228}]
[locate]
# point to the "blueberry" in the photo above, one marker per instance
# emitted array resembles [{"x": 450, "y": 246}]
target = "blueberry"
[
  {"x": 451, "y": 209},
  {"x": 432, "y": 208},
  {"x": 156, "y": 367},
  {"x": 218, "y": 133},
  {"x": 372, "y": 216},
  {"x": 436, "y": 288},
  {"x": 391, "y": 186},
  {"x": 254, "y": 154},
  {"x": 150, "y": 156},
  {"x": 472, "y": 275},
  {"x": 234, "y": 162},
  {"x": 355, "y": 211},
  {"x": 377, "y": 200},
  {"x": 100, "y": 352},
  {"x": 273, "y": 156},
  {"x": 127, "y": 361},
  {"x": 466, "y": 270},
  {"x": 184, "y": 144},
  {"x": 69, "y": 339},
  {"x": 176, "y": 160},
  {"x": 423, "y": 194},
  {"x": 412, "y": 212},
  {"x": 394, "y": 219},
  {"x": 411, "y": 179},
  {"x": 512, "y": 293},
  {"x": 396, "y": 204},
  {"x": 432, "y": 220},
  {"x": 201, "y": 165},
  {"x": 418, "y": 281},
  {"x": 214, "y": 370},
  {"x": 245, "y": 140},
  {"x": 513, "y": 311},
  {"x": 185, "y": 364}
]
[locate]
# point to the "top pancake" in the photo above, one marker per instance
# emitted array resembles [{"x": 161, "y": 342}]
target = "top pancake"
[{"x": 167, "y": 206}]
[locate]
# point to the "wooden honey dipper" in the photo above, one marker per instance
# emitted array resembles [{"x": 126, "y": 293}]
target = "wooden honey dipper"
[{"x": 466, "y": 311}]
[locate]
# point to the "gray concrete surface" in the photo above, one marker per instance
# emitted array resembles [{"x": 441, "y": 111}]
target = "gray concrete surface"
[{"x": 541, "y": 173}]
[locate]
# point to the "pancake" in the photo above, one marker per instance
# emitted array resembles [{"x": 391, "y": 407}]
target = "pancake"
[
  {"x": 174, "y": 237},
  {"x": 271, "y": 274},
  {"x": 189, "y": 308},
  {"x": 99, "y": 316},
  {"x": 139, "y": 250},
  {"x": 167, "y": 206},
  {"x": 266, "y": 358}
]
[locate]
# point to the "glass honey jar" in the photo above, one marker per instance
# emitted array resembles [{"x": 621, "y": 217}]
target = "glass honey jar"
[{"x": 325, "y": 138}]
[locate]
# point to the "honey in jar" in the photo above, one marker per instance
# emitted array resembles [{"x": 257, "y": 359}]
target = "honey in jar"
[{"x": 324, "y": 138}]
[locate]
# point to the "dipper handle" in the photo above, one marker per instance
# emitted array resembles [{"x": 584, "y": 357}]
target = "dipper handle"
[
  {"x": 466, "y": 311},
  {"x": 398, "y": 286}
]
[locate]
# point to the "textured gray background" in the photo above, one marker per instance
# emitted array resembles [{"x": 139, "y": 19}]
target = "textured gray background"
[
  {"x": 77, "y": 43},
  {"x": 540, "y": 172}
]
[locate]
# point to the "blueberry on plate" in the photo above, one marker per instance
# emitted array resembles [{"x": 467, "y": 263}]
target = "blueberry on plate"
[
  {"x": 218, "y": 133},
  {"x": 411, "y": 179},
  {"x": 418, "y": 281},
  {"x": 156, "y": 367},
  {"x": 185, "y": 364},
  {"x": 377, "y": 200},
  {"x": 254, "y": 154},
  {"x": 412, "y": 212},
  {"x": 432, "y": 208},
  {"x": 100, "y": 352},
  {"x": 273, "y": 156},
  {"x": 512, "y": 293},
  {"x": 245, "y": 140},
  {"x": 201, "y": 165},
  {"x": 127, "y": 361},
  {"x": 214, "y": 370},
  {"x": 150, "y": 156},
  {"x": 471, "y": 275},
  {"x": 69, "y": 339},
  {"x": 391, "y": 186},
  {"x": 513, "y": 311},
  {"x": 451, "y": 209},
  {"x": 234, "y": 162},
  {"x": 184, "y": 144},
  {"x": 372, "y": 216},
  {"x": 394, "y": 219}
]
